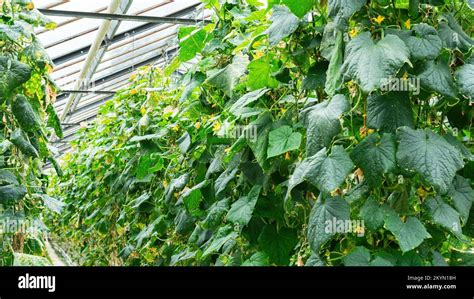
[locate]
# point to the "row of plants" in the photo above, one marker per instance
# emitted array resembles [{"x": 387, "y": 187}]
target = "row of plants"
[
  {"x": 27, "y": 121},
  {"x": 297, "y": 119}
]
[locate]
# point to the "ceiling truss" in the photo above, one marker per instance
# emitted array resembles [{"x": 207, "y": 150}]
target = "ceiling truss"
[
  {"x": 106, "y": 32},
  {"x": 122, "y": 17},
  {"x": 125, "y": 36}
]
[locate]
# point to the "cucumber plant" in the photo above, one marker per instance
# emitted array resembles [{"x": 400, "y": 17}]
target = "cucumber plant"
[
  {"x": 27, "y": 94},
  {"x": 306, "y": 133}
]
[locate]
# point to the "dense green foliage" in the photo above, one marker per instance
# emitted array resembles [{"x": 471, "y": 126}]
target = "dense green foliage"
[
  {"x": 167, "y": 176},
  {"x": 26, "y": 97}
]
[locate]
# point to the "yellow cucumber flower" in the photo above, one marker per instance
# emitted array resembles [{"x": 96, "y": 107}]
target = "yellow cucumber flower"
[
  {"x": 378, "y": 19},
  {"x": 216, "y": 127},
  {"x": 353, "y": 33},
  {"x": 407, "y": 24}
]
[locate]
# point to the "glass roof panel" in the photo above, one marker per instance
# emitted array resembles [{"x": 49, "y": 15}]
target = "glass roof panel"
[{"x": 133, "y": 45}]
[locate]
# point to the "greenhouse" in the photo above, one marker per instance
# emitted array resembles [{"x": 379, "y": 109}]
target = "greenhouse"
[{"x": 236, "y": 133}]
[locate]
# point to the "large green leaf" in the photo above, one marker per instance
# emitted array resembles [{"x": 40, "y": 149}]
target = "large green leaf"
[
  {"x": 19, "y": 139},
  {"x": 433, "y": 2},
  {"x": 224, "y": 179},
  {"x": 36, "y": 52},
  {"x": 258, "y": 259},
  {"x": 196, "y": 80},
  {"x": 12, "y": 194},
  {"x": 322, "y": 122},
  {"x": 284, "y": 23},
  {"x": 13, "y": 33},
  {"x": 192, "y": 199},
  {"x": 299, "y": 8},
  {"x": 183, "y": 222},
  {"x": 465, "y": 79},
  {"x": 460, "y": 146},
  {"x": 222, "y": 237},
  {"x": 429, "y": 155},
  {"x": 314, "y": 261},
  {"x": 199, "y": 236},
  {"x": 143, "y": 203},
  {"x": 360, "y": 257},
  {"x": 25, "y": 114},
  {"x": 192, "y": 41},
  {"x": 259, "y": 144},
  {"x": 35, "y": 17},
  {"x": 215, "y": 213},
  {"x": 438, "y": 259},
  {"x": 278, "y": 244},
  {"x": 375, "y": 155},
  {"x": 329, "y": 40},
  {"x": 452, "y": 34},
  {"x": 381, "y": 262},
  {"x": 462, "y": 258},
  {"x": 443, "y": 214},
  {"x": 334, "y": 74},
  {"x": 52, "y": 203},
  {"x": 241, "y": 211},
  {"x": 261, "y": 73},
  {"x": 373, "y": 213},
  {"x": 370, "y": 63},
  {"x": 12, "y": 74},
  {"x": 423, "y": 42},
  {"x": 452, "y": 39},
  {"x": 283, "y": 140},
  {"x": 388, "y": 112},
  {"x": 5, "y": 145},
  {"x": 228, "y": 175},
  {"x": 228, "y": 77},
  {"x": 158, "y": 135},
  {"x": 400, "y": 200},
  {"x": 8, "y": 177},
  {"x": 341, "y": 10},
  {"x": 462, "y": 195},
  {"x": 316, "y": 76},
  {"x": 192, "y": 202},
  {"x": 176, "y": 184},
  {"x": 409, "y": 234},
  {"x": 28, "y": 260},
  {"x": 413, "y": 8},
  {"x": 184, "y": 143},
  {"x": 327, "y": 172},
  {"x": 436, "y": 76},
  {"x": 239, "y": 107},
  {"x": 54, "y": 121},
  {"x": 468, "y": 228},
  {"x": 321, "y": 220}
]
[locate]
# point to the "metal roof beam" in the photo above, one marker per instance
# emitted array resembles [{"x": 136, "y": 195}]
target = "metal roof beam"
[
  {"x": 108, "y": 97},
  {"x": 106, "y": 32},
  {"x": 119, "y": 74},
  {"x": 122, "y": 17},
  {"x": 131, "y": 68},
  {"x": 122, "y": 36},
  {"x": 107, "y": 92}
]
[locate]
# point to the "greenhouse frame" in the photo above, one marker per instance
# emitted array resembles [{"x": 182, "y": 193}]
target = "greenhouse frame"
[
  {"x": 188, "y": 138},
  {"x": 95, "y": 56}
]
